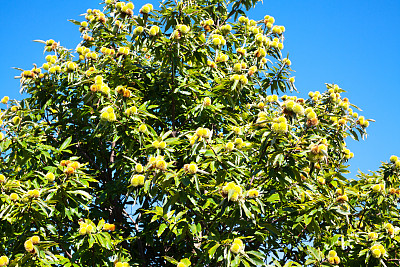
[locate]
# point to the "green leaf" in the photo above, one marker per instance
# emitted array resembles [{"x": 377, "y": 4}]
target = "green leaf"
[
  {"x": 171, "y": 260},
  {"x": 65, "y": 144},
  {"x": 186, "y": 261},
  {"x": 314, "y": 252},
  {"x": 91, "y": 240},
  {"x": 80, "y": 192},
  {"x": 161, "y": 229},
  {"x": 236, "y": 261},
  {"x": 256, "y": 253},
  {"x": 246, "y": 210},
  {"x": 212, "y": 250},
  {"x": 75, "y": 22},
  {"x": 273, "y": 198}
]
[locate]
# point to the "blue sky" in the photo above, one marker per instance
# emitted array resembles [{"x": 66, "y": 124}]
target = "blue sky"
[{"x": 352, "y": 43}]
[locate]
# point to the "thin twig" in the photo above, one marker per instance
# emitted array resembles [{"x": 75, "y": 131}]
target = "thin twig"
[{"x": 140, "y": 245}]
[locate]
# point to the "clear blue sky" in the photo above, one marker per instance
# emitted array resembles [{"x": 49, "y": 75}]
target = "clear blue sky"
[{"x": 352, "y": 43}]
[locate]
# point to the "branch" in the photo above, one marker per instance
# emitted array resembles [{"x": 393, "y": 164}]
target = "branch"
[
  {"x": 112, "y": 152},
  {"x": 215, "y": 153},
  {"x": 276, "y": 75},
  {"x": 233, "y": 11},
  {"x": 86, "y": 156},
  {"x": 140, "y": 245},
  {"x": 362, "y": 215},
  {"x": 64, "y": 250}
]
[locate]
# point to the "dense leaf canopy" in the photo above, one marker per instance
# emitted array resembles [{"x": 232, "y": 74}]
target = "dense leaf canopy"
[{"x": 164, "y": 139}]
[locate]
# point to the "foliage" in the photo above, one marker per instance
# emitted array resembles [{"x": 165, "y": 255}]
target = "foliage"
[{"x": 161, "y": 140}]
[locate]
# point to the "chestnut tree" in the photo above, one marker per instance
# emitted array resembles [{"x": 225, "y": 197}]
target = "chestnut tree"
[{"x": 165, "y": 138}]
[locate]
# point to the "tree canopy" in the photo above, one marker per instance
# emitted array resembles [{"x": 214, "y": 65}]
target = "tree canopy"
[{"x": 166, "y": 138}]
